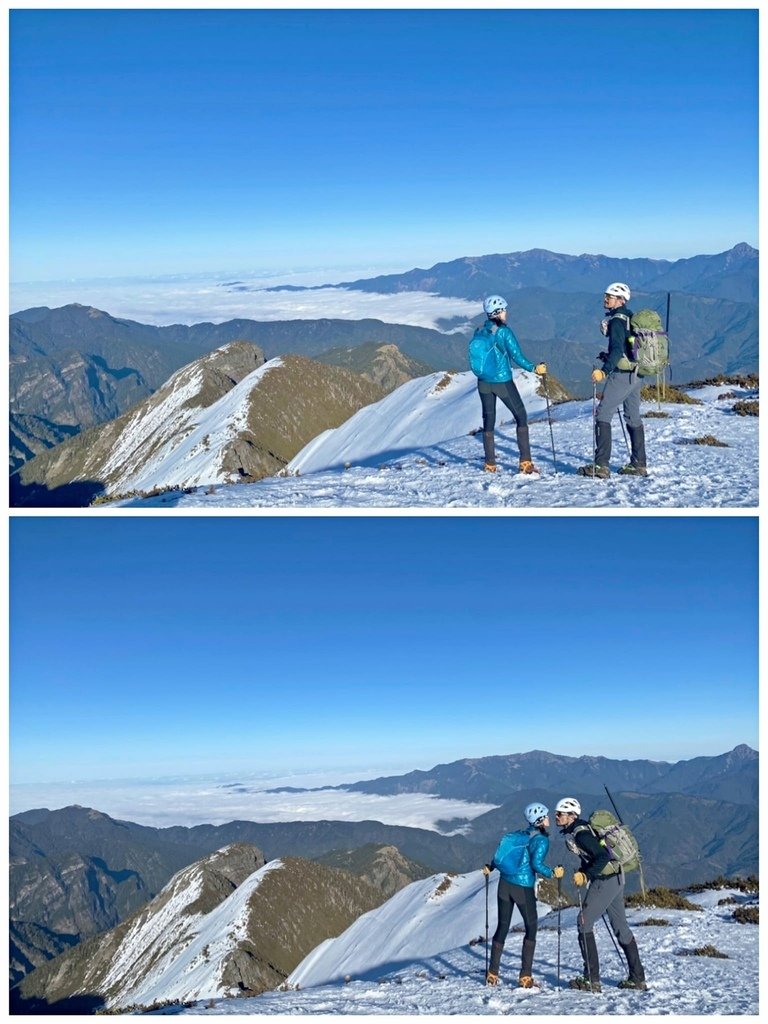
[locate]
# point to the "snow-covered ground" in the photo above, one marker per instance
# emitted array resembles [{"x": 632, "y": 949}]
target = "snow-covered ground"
[
  {"x": 414, "y": 449},
  {"x": 419, "y": 954}
]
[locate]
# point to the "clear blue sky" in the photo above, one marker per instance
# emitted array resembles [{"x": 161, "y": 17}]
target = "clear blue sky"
[
  {"x": 143, "y": 646},
  {"x": 167, "y": 141}
]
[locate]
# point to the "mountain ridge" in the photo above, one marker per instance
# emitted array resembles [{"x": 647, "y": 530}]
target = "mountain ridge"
[
  {"x": 228, "y": 416},
  {"x": 225, "y": 925},
  {"x": 471, "y": 277},
  {"x": 78, "y": 366}
]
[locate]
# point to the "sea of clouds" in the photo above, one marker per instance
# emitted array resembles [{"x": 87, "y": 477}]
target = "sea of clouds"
[
  {"x": 215, "y": 800},
  {"x": 215, "y": 298}
]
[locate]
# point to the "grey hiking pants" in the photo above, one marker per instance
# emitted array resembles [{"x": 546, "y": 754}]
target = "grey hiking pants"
[
  {"x": 606, "y": 896},
  {"x": 620, "y": 389}
]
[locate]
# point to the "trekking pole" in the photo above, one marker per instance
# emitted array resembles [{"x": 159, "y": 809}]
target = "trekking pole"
[
  {"x": 613, "y": 940},
  {"x": 486, "y": 929},
  {"x": 621, "y": 822},
  {"x": 624, "y": 432},
  {"x": 585, "y": 951},
  {"x": 664, "y": 370},
  {"x": 594, "y": 421},
  {"x": 559, "y": 908},
  {"x": 549, "y": 418}
]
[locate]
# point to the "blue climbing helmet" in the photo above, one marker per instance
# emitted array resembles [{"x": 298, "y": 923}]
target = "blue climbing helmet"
[
  {"x": 494, "y": 304},
  {"x": 535, "y": 812}
]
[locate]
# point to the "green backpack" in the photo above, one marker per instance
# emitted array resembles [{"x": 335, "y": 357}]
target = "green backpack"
[
  {"x": 648, "y": 344},
  {"x": 619, "y": 841}
]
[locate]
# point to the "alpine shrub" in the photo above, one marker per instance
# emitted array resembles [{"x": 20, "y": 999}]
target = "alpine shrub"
[
  {"x": 703, "y": 951},
  {"x": 661, "y": 897},
  {"x": 747, "y": 915}
]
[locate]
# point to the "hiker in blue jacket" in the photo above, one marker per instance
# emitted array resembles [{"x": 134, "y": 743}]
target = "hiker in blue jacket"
[
  {"x": 622, "y": 387},
  {"x": 499, "y": 384},
  {"x": 519, "y": 858}
]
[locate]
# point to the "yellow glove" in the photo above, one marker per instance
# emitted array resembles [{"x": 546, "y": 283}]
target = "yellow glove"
[
  {"x": 540, "y": 368},
  {"x": 597, "y": 376},
  {"x": 486, "y": 869},
  {"x": 558, "y": 871},
  {"x": 579, "y": 878}
]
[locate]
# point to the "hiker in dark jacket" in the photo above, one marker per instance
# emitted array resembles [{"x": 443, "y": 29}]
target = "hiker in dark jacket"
[
  {"x": 503, "y": 386},
  {"x": 622, "y": 387},
  {"x": 605, "y": 895},
  {"x": 519, "y": 857}
]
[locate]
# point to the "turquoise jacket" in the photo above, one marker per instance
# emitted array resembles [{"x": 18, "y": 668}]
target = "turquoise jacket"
[
  {"x": 520, "y": 857},
  {"x": 510, "y": 346}
]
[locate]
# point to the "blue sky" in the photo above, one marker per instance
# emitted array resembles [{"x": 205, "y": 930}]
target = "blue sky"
[
  {"x": 151, "y": 646},
  {"x": 149, "y": 142}
]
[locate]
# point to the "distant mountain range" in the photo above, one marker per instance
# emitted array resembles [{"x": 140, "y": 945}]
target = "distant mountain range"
[
  {"x": 555, "y": 304},
  {"x": 76, "y": 367},
  {"x": 76, "y": 872},
  {"x": 732, "y": 777},
  {"x": 729, "y": 275}
]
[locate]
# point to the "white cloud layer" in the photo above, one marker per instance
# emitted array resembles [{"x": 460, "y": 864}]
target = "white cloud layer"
[
  {"x": 216, "y": 298},
  {"x": 186, "y": 801}
]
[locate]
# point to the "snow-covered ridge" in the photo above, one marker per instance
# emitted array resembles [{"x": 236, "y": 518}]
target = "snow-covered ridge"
[
  {"x": 420, "y": 448},
  {"x": 187, "y": 440},
  {"x": 423, "y": 952},
  {"x": 422, "y": 412},
  {"x": 173, "y": 952}
]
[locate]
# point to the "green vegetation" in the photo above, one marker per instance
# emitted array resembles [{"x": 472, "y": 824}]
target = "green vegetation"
[
  {"x": 669, "y": 899},
  {"x": 138, "y": 1008},
  {"x": 105, "y": 499},
  {"x": 548, "y": 893},
  {"x": 748, "y": 380},
  {"x": 749, "y": 884},
  {"x": 703, "y": 951},
  {"x": 709, "y": 439},
  {"x": 747, "y": 408},
  {"x": 669, "y": 394},
  {"x": 747, "y": 915}
]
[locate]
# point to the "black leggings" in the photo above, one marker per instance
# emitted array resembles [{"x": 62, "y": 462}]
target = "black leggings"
[
  {"x": 524, "y": 898},
  {"x": 510, "y": 396}
]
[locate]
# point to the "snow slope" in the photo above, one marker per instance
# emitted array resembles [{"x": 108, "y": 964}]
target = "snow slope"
[
  {"x": 187, "y": 441},
  {"x": 172, "y": 954},
  {"x": 414, "y": 450},
  {"x": 419, "y": 954}
]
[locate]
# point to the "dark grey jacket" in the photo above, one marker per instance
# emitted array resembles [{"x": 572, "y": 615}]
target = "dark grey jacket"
[{"x": 618, "y": 332}]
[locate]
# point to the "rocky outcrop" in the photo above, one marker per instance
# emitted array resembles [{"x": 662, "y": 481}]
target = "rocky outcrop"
[
  {"x": 225, "y": 418},
  {"x": 224, "y": 926},
  {"x": 76, "y": 366},
  {"x": 383, "y": 867},
  {"x": 382, "y": 363}
]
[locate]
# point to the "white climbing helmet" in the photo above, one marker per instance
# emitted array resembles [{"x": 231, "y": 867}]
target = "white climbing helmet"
[
  {"x": 621, "y": 291},
  {"x": 494, "y": 304},
  {"x": 568, "y": 805},
  {"x": 533, "y": 812}
]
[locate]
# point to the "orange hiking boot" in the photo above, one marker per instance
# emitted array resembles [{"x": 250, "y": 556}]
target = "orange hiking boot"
[
  {"x": 490, "y": 467},
  {"x": 526, "y": 981},
  {"x": 526, "y": 466},
  {"x": 491, "y": 978}
]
